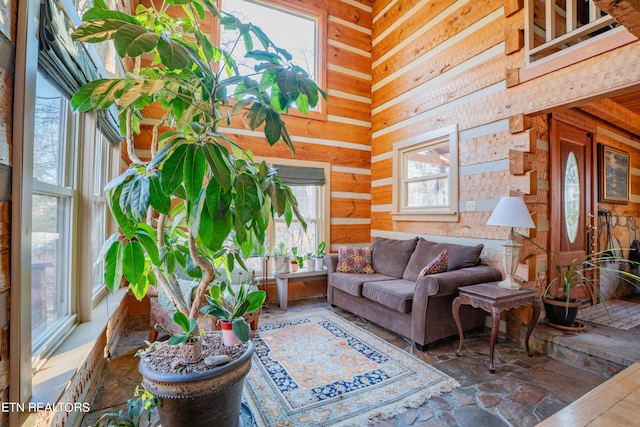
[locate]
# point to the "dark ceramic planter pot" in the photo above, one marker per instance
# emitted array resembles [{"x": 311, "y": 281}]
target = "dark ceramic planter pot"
[
  {"x": 204, "y": 399},
  {"x": 560, "y": 313}
]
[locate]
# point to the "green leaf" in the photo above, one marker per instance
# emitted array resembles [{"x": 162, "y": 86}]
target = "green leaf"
[
  {"x": 273, "y": 127},
  {"x": 261, "y": 55},
  {"x": 133, "y": 261},
  {"x": 256, "y": 115},
  {"x": 255, "y": 299},
  {"x": 181, "y": 320},
  {"x": 173, "y": 54},
  {"x": 140, "y": 288},
  {"x": 287, "y": 82},
  {"x": 100, "y": 13},
  {"x": 111, "y": 277},
  {"x": 149, "y": 243},
  {"x": 97, "y": 31},
  {"x": 125, "y": 222},
  {"x": 98, "y": 94},
  {"x": 194, "y": 169},
  {"x": 172, "y": 170},
  {"x": 217, "y": 157},
  {"x": 157, "y": 199},
  {"x": 135, "y": 197},
  {"x": 218, "y": 201},
  {"x": 247, "y": 199},
  {"x": 302, "y": 102},
  {"x": 134, "y": 40},
  {"x": 241, "y": 329},
  {"x": 213, "y": 232}
]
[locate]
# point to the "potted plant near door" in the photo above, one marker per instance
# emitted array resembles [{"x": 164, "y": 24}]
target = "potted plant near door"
[
  {"x": 200, "y": 200},
  {"x": 579, "y": 278}
]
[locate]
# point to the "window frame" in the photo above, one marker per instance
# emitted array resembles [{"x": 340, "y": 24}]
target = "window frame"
[
  {"x": 21, "y": 383},
  {"x": 321, "y": 18},
  {"x": 67, "y": 190},
  {"x": 450, "y": 213},
  {"x": 324, "y": 197}
]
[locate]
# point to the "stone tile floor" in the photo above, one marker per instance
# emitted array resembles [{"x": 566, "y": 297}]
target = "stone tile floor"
[{"x": 523, "y": 391}]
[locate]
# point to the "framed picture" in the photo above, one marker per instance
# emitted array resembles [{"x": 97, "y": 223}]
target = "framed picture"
[{"x": 614, "y": 175}]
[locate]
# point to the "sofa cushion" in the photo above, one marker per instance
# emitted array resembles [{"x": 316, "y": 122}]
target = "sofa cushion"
[
  {"x": 439, "y": 264},
  {"x": 460, "y": 256},
  {"x": 352, "y": 283},
  {"x": 354, "y": 260},
  {"x": 390, "y": 256},
  {"x": 395, "y": 294}
]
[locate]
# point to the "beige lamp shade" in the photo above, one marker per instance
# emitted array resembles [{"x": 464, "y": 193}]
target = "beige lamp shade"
[{"x": 511, "y": 212}]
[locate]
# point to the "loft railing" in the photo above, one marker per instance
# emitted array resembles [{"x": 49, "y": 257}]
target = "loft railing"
[{"x": 554, "y": 26}]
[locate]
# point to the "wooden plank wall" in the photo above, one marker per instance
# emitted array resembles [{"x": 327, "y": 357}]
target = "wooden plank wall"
[
  {"x": 438, "y": 63},
  {"x": 344, "y": 138},
  {"x": 443, "y": 62}
]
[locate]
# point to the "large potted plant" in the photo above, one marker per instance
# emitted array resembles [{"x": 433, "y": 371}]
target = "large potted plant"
[{"x": 201, "y": 200}]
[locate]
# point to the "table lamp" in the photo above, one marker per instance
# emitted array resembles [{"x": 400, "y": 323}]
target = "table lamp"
[{"x": 511, "y": 212}]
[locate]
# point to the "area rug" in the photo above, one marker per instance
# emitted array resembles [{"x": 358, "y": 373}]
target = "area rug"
[
  {"x": 616, "y": 313},
  {"x": 314, "y": 368}
]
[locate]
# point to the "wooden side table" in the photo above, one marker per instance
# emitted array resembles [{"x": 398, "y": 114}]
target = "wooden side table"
[
  {"x": 495, "y": 300},
  {"x": 282, "y": 282}
]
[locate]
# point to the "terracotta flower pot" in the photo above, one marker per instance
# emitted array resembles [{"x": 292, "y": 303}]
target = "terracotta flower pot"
[{"x": 228, "y": 337}]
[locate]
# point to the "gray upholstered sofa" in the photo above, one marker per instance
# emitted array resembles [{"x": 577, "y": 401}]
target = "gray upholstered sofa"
[{"x": 396, "y": 298}]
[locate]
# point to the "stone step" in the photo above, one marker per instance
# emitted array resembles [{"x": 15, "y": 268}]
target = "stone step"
[{"x": 600, "y": 349}]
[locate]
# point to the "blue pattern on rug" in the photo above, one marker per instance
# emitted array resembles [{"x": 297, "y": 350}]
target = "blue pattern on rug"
[{"x": 315, "y": 368}]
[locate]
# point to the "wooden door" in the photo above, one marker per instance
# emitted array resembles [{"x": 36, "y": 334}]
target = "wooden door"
[{"x": 572, "y": 197}]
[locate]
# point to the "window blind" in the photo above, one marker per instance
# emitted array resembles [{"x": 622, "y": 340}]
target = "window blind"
[
  {"x": 67, "y": 64},
  {"x": 300, "y": 175}
]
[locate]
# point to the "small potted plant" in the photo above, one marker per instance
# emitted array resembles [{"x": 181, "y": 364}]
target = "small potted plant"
[
  {"x": 297, "y": 259},
  {"x": 310, "y": 262},
  {"x": 281, "y": 258},
  {"x": 231, "y": 306},
  {"x": 319, "y": 258},
  {"x": 188, "y": 340}
]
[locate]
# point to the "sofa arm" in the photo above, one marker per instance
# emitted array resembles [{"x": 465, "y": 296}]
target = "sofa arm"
[
  {"x": 447, "y": 283},
  {"x": 331, "y": 262}
]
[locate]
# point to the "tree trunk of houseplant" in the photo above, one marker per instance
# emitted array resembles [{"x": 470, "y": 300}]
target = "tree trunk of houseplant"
[{"x": 211, "y": 397}]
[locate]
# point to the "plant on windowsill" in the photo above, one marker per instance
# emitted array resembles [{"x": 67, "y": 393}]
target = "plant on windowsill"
[
  {"x": 319, "y": 256},
  {"x": 200, "y": 200},
  {"x": 281, "y": 258}
]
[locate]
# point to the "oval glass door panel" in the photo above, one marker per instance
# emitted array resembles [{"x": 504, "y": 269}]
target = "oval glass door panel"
[{"x": 571, "y": 197}]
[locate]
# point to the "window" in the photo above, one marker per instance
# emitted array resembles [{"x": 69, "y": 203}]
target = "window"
[
  {"x": 53, "y": 200},
  {"x": 298, "y": 31},
  {"x": 310, "y": 204},
  {"x": 309, "y": 182},
  {"x": 426, "y": 177},
  {"x": 99, "y": 211}
]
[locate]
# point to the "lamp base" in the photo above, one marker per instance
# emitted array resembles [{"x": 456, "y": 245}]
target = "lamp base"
[{"x": 510, "y": 284}]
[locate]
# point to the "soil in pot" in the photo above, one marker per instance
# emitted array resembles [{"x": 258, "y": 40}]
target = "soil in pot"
[
  {"x": 197, "y": 394},
  {"x": 560, "y": 312}
]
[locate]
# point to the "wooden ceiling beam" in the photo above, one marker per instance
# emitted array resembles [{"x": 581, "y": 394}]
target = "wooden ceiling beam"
[
  {"x": 626, "y": 12},
  {"x": 615, "y": 114}
]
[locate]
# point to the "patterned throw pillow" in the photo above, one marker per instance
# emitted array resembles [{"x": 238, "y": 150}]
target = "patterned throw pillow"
[
  {"x": 354, "y": 260},
  {"x": 439, "y": 264}
]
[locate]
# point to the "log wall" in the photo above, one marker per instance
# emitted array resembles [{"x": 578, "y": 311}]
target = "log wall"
[
  {"x": 440, "y": 63},
  {"x": 343, "y": 138}
]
